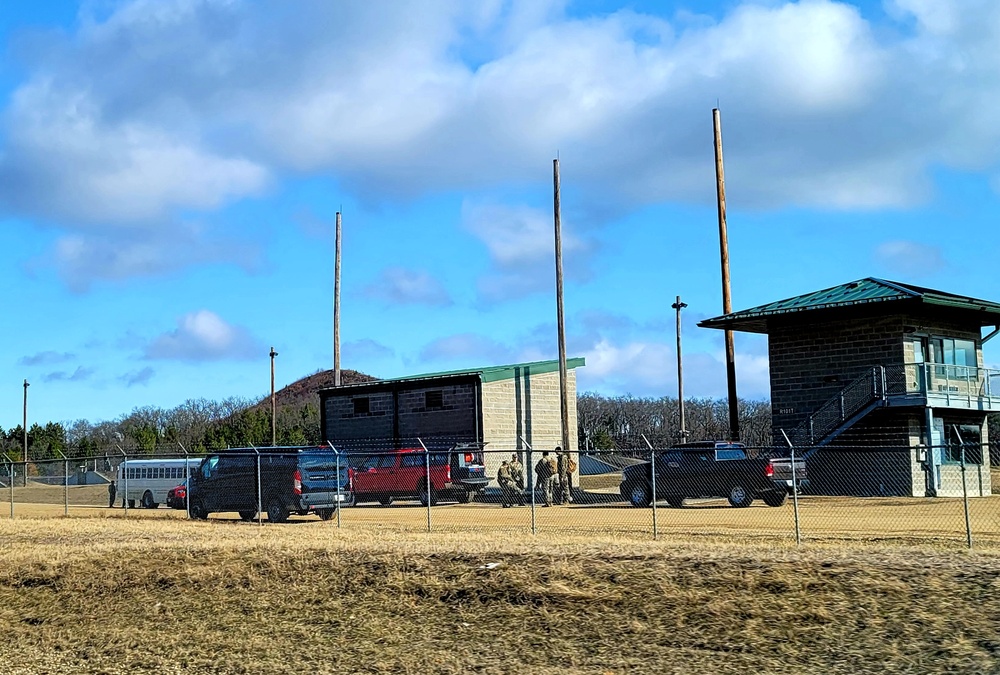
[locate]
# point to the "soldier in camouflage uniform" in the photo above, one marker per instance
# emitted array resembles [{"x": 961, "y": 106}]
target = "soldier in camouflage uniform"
[
  {"x": 517, "y": 475},
  {"x": 506, "y": 483}
]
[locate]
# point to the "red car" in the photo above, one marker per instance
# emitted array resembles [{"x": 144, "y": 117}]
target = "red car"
[
  {"x": 177, "y": 497},
  {"x": 457, "y": 474}
]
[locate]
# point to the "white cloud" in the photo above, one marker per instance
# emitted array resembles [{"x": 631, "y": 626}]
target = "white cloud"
[
  {"x": 82, "y": 259},
  {"x": 521, "y": 243},
  {"x": 649, "y": 368},
  {"x": 910, "y": 259},
  {"x": 468, "y": 348},
  {"x": 399, "y": 286},
  {"x": 204, "y": 336},
  {"x": 174, "y": 105}
]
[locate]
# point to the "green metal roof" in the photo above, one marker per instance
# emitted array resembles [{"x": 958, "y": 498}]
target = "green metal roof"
[
  {"x": 853, "y": 294},
  {"x": 486, "y": 374}
]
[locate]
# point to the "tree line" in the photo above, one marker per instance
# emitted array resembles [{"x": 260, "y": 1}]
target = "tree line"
[{"x": 200, "y": 425}]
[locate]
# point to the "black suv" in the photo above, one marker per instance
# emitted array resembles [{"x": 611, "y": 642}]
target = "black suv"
[{"x": 292, "y": 480}]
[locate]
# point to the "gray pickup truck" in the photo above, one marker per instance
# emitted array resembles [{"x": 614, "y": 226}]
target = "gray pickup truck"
[{"x": 706, "y": 469}]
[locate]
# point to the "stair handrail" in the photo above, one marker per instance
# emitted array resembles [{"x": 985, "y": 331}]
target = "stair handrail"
[{"x": 841, "y": 407}]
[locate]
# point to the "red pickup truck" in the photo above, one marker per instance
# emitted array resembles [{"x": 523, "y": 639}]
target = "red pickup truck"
[{"x": 456, "y": 474}]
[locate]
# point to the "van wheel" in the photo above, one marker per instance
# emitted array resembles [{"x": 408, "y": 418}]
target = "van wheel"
[
  {"x": 465, "y": 496},
  {"x": 740, "y": 497},
  {"x": 325, "y": 514},
  {"x": 422, "y": 494},
  {"x": 385, "y": 501},
  {"x": 640, "y": 495},
  {"x": 676, "y": 502},
  {"x": 147, "y": 500},
  {"x": 247, "y": 515},
  {"x": 276, "y": 511},
  {"x": 775, "y": 498},
  {"x": 198, "y": 510}
]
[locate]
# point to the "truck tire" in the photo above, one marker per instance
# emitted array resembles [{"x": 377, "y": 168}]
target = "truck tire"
[
  {"x": 198, "y": 511},
  {"x": 775, "y": 498},
  {"x": 276, "y": 511},
  {"x": 247, "y": 515},
  {"x": 639, "y": 495},
  {"x": 675, "y": 501},
  {"x": 422, "y": 494},
  {"x": 325, "y": 514},
  {"x": 465, "y": 496},
  {"x": 740, "y": 497}
]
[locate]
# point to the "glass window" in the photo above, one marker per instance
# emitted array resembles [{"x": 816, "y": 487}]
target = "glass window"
[
  {"x": 729, "y": 453},
  {"x": 963, "y": 436},
  {"x": 387, "y": 461},
  {"x": 412, "y": 460}
]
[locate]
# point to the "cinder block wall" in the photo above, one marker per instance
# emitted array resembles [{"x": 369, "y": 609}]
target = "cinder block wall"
[
  {"x": 812, "y": 362},
  {"x": 526, "y": 405}
]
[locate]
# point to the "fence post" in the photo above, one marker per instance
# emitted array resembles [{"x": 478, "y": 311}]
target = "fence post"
[
  {"x": 65, "y": 482},
  {"x": 427, "y": 481},
  {"x": 187, "y": 481},
  {"x": 531, "y": 485},
  {"x": 339, "y": 493},
  {"x": 10, "y": 482},
  {"x": 795, "y": 492},
  {"x": 965, "y": 488},
  {"x": 652, "y": 496},
  {"x": 260, "y": 506},
  {"x": 124, "y": 469}
]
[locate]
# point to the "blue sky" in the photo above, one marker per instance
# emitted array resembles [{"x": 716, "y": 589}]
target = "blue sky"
[{"x": 170, "y": 171}]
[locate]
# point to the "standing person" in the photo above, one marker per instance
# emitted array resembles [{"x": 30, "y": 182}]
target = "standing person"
[
  {"x": 562, "y": 471},
  {"x": 553, "y": 477},
  {"x": 544, "y": 471},
  {"x": 517, "y": 474},
  {"x": 112, "y": 489},
  {"x": 505, "y": 481}
]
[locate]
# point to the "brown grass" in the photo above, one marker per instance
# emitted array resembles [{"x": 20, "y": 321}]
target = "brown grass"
[{"x": 162, "y": 595}]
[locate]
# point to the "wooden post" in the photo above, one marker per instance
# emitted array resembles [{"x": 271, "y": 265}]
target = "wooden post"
[
  {"x": 336, "y": 310},
  {"x": 727, "y": 302},
  {"x": 561, "y": 329}
]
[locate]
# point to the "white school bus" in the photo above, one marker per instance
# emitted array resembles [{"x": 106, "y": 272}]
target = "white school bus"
[{"x": 147, "y": 481}]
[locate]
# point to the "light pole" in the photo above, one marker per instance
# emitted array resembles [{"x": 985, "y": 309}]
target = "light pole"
[
  {"x": 680, "y": 369},
  {"x": 25, "y": 421},
  {"x": 274, "y": 427}
]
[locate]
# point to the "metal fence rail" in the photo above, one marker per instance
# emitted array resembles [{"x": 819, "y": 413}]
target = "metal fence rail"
[{"x": 936, "y": 495}]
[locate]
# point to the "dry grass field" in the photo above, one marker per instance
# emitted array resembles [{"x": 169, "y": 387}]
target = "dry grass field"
[
  {"x": 163, "y": 595},
  {"x": 904, "y": 520}
]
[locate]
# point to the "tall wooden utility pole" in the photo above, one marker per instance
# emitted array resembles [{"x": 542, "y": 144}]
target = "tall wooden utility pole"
[
  {"x": 727, "y": 302},
  {"x": 680, "y": 369},
  {"x": 274, "y": 426},
  {"x": 560, "y": 321},
  {"x": 336, "y": 310}
]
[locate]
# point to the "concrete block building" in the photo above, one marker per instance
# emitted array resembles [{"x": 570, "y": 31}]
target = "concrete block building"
[
  {"x": 507, "y": 407},
  {"x": 882, "y": 385}
]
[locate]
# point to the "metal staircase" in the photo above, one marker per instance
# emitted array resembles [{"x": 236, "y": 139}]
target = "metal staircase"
[{"x": 842, "y": 411}]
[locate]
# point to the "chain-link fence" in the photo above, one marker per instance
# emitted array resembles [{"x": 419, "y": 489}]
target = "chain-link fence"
[{"x": 938, "y": 494}]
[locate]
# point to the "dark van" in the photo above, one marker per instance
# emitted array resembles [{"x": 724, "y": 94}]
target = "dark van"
[{"x": 292, "y": 480}]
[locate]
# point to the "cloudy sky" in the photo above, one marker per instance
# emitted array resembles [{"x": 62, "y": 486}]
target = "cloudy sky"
[{"x": 170, "y": 171}]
